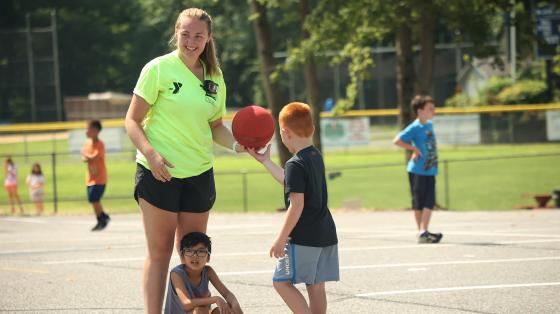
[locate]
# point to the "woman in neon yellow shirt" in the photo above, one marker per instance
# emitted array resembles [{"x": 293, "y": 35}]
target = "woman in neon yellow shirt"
[{"x": 174, "y": 118}]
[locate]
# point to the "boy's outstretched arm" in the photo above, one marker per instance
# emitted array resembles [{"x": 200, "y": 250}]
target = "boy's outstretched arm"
[
  {"x": 190, "y": 304},
  {"x": 276, "y": 171},
  {"x": 230, "y": 298},
  {"x": 292, "y": 216}
]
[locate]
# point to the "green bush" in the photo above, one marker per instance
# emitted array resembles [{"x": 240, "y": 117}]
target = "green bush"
[
  {"x": 458, "y": 100},
  {"x": 488, "y": 95},
  {"x": 524, "y": 92}
]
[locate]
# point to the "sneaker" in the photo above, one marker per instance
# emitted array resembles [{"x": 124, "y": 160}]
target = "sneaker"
[
  {"x": 96, "y": 227},
  {"x": 102, "y": 222},
  {"x": 437, "y": 236},
  {"x": 428, "y": 237}
]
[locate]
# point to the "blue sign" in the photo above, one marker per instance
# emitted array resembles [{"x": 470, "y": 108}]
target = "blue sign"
[{"x": 548, "y": 30}]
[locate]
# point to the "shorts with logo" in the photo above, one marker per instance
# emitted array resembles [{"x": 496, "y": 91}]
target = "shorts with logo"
[
  {"x": 193, "y": 194},
  {"x": 307, "y": 264},
  {"x": 423, "y": 189}
]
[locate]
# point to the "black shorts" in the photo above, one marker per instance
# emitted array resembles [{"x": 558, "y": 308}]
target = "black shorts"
[
  {"x": 423, "y": 190},
  {"x": 194, "y": 194},
  {"x": 95, "y": 192}
]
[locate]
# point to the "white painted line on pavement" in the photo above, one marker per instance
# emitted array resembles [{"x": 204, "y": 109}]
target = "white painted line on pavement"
[
  {"x": 446, "y": 289},
  {"x": 502, "y": 234},
  {"x": 417, "y": 269},
  {"x": 72, "y": 249},
  {"x": 505, "y": 260},
  {"x": 261, "y": 253},
  {"x": 238, "y": 226},
  {"x": 24, "y": 270},
  {"x": 531, "y": 259},
  {"x": 100, "y": 260},
  {"x": 23, "y": 219}
]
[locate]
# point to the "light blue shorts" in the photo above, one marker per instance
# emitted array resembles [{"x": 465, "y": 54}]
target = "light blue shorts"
[{"x": 308, "y": 264}]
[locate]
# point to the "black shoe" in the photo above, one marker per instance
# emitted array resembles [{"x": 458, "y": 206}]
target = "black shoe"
[
  {"x": 428, "y": 237},
  {"x": 102, "y": 222},
  {"x": 96, "y": 227},
  {"x": 437, "y": 236}
]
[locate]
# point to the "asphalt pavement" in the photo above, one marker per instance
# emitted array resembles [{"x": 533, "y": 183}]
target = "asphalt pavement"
[{"x": 487, "y": 262}]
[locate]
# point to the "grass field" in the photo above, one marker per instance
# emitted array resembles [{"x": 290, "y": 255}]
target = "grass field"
[{"x": 369, "y": 178}]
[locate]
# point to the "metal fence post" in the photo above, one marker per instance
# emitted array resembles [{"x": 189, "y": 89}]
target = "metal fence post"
[
  {"x": 446, "y": 182},
  {"x": 55, "y": 196},
  {"x": 245, "y": 191},
  {"x": 25, "y": 148}
]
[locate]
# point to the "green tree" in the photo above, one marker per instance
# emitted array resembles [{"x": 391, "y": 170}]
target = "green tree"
[{"x": 268, "y": 66}]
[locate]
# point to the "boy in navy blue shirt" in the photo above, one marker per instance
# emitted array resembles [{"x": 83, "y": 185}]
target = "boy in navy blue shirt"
[
  {"x": 419, "y": 137},
  {"x": 307, "y": 245}
]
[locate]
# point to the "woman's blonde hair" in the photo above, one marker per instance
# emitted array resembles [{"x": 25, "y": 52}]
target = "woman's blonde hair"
[{"x": 208, "y": 56}]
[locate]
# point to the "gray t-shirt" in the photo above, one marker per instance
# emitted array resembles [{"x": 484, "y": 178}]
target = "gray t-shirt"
[{"x": 172, "y": 303}]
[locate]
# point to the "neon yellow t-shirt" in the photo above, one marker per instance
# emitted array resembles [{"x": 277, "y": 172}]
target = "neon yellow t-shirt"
[{"x": 177, "y": 124}]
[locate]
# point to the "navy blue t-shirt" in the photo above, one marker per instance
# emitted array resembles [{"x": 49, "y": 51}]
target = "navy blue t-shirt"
[{"x": 305, "y": 173}]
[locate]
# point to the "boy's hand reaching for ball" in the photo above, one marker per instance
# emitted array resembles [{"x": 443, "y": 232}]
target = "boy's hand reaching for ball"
[{"x": 260, "y": 157}]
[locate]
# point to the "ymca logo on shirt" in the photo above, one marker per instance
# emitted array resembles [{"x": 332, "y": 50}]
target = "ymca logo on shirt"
[{"x": 176, "y": 87}]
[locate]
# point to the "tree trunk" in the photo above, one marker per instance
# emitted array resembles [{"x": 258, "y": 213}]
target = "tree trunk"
[
  {"x": 264, "y": 51},
  {"x": 405, "y": 74},
  {"x": 310, "y": 75},
  {"x": 427, "y": 51},
  {"x": 405, "y": 77}
]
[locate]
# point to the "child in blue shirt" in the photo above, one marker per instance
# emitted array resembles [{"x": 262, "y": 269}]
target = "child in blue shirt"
[{"x": 419, "y": 137}]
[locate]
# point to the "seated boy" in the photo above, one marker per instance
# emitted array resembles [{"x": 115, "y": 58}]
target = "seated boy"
[
  {"x": 307, "y": 245},
  {"x": 188, "y": 283}
]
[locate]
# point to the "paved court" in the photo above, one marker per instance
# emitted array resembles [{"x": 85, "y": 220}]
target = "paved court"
[{"x": 488, "y": 262}]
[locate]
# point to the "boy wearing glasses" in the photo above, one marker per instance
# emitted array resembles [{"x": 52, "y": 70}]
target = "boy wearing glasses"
[
  {"x": 307, "y": 245},
  {"x": 188, "y": 284}
]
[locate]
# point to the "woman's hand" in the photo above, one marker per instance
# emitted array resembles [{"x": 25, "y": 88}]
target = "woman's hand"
[{"x": 158, "y": 166}]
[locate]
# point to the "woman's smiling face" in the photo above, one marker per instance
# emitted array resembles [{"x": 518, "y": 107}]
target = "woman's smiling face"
[{"x": 192, "y": 36}]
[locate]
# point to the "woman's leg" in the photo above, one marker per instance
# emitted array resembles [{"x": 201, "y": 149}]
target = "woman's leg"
[
  {"x": 159, "y": 226},
  {"x": 189, "y": 222}
]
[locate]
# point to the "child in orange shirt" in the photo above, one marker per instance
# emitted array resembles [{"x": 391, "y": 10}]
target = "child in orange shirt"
[{"x": 93, "y": 153}]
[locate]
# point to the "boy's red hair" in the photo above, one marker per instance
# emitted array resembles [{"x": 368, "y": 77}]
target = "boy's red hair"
[{"x": 296, "y": 116}]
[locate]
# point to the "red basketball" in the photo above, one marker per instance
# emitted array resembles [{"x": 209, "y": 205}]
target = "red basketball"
[{"x": 253, "y": 127}]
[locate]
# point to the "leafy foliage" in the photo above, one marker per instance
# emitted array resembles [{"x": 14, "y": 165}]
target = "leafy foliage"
[{"x": 523, "y": 92}]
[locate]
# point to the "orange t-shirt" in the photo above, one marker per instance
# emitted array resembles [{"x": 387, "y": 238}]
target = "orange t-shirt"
[{"x": 97, "y": 173}]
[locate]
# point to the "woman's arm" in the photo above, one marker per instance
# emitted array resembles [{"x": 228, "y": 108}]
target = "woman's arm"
[
  {"x": 223, "y": 137},
  {"x": 133, "y": 123}
]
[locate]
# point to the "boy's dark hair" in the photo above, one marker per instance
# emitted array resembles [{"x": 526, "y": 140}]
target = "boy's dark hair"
[
  {"x": 193, "y": 238},
  {"x": 419, "y": 101},
  {"x": 96, "y": 124}
]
